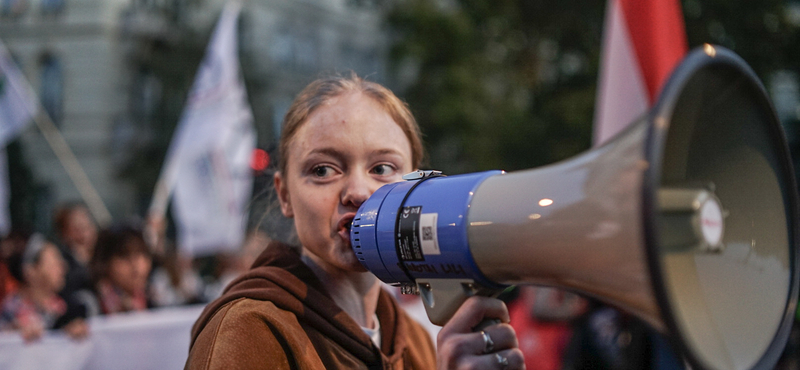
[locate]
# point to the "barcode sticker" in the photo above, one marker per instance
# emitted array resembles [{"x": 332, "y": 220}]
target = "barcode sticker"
[{"x": 427, "y": 231}]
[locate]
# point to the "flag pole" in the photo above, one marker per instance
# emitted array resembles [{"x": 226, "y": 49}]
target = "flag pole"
[
  {"x": 70, "y": 163},
  {"x": 64, "y": 154}
]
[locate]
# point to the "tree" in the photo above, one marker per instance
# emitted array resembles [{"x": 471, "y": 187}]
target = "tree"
[
  {"x": 511, "y": 83},
  {"x": 499, "y": 84}
]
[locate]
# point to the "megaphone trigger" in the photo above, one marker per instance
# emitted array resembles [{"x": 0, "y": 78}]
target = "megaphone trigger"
[{"x": 443, "y": 297}]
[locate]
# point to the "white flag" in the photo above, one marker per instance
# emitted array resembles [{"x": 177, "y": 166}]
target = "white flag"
[
  {"x": 17, "y": 102},
  {"x": 17, "y": 107},
  {"x": 208, "y": 163}
]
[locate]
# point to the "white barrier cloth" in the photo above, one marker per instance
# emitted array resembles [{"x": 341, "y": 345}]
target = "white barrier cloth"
[{"x": 154, "y": 339}]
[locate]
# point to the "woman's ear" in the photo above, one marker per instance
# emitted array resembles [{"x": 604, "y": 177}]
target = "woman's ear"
[{"x": 283, "y": 195}]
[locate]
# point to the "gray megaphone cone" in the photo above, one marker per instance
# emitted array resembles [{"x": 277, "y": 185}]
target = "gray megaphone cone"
[{"x": 687, "y": 219}]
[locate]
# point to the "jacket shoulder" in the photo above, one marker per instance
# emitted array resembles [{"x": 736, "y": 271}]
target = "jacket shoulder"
[{"x": 252, "y": 334}]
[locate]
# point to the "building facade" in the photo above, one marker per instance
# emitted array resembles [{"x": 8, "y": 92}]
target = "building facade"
[
  {"x": 114, "y": 74},
  {"x": 68, "y": 51}
]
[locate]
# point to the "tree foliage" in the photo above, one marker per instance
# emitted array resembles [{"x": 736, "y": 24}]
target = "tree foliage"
[
  {"x": 757, "y": 30},
  {"x": 511, "y": 83},
  {"x": 504, "y": 83}
]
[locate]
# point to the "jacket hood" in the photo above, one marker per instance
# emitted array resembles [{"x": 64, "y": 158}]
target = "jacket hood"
[{"x": 278, "y": 275}]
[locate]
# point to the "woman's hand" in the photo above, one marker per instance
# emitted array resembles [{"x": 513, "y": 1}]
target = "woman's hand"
[
  {"x": 495, "y": 347},
  {"x": 31, "y": 331},
  {"x": 77, "y": 329}
]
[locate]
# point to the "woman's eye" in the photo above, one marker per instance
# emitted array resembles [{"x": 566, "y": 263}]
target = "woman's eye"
[
  {"x": 322, "y": 171},
  {"x": 383, "y": 170}
]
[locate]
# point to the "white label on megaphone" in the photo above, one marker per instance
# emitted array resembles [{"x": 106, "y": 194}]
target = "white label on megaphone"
[
  {"x": 427, "y": 232},
  {"x": 711, "y": 223}
]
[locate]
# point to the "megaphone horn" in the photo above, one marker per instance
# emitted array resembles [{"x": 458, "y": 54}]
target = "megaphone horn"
[{"x": 687, "y": 219}]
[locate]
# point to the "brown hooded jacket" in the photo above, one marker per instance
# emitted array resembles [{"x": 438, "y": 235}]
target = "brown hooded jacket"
[{"x": 278, "y": 316}]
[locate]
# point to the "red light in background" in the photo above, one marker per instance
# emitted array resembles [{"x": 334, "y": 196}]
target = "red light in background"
[{"x": 260, "y": 160}]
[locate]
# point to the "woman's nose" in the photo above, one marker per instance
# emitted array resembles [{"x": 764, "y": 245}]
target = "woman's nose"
[{"x": 357, "y": 190}]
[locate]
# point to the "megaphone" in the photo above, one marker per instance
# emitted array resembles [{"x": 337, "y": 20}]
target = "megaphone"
[{"x": 687, "y": 219}]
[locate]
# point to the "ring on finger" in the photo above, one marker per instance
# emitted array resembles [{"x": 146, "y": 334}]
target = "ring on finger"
[
  {"x": 488, "y": 343},
  {"x": 502, "y": 361}
]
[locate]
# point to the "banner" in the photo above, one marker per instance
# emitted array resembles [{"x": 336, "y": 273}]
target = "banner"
[
  {"x": 643, "y": 41},
  {"x": 154, "y": 339},
  {"x": 17, "y": 106},
  {"x": 208, "y": 163}
]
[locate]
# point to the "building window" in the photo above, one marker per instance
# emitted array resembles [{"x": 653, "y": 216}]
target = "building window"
[
  {"x": 146, "y": 97},
  {"x": 13, "y": 8},
  {"x": 52, "y": 87},
  {"x": 294, "y": 51},
  {"x": 52, "y": 7}
]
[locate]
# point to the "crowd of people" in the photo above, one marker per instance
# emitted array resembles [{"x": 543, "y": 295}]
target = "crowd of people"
[{"x": 58, "y": 283}]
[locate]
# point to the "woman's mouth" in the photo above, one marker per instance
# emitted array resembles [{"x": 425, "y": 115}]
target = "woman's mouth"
[{"x": 345, "y": 224}]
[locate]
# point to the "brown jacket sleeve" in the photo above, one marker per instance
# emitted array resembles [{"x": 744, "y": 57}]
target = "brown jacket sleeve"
[
  {"x": 250, "y": 334},
  {"x": 421, "y": 353}
]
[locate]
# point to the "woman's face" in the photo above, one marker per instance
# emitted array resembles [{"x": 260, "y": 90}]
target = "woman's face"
[
  {"x": 49, "y": 272},
  {"x": 346, "y": 149},
  {"x": 79, "y": 230},
  {"x": 130, "y": 273}
]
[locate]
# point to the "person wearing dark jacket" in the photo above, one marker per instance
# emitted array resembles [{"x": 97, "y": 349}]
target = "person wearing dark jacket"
[
  {"x": 77, "y": 233},
  {"x": 317, "y": 307}
]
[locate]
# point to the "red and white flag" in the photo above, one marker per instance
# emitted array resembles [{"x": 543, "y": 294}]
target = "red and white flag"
[{"x": 643, "y": 41}]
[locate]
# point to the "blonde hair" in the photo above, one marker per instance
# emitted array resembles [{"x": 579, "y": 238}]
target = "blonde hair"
[{"x": 324, "y": 89}]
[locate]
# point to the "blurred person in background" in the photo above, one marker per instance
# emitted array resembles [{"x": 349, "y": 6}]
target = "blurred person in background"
[
  {"x": 174, "y": 280},
  {"x": 543, "y": 318},
  {"x": 8, "y": 284},
  {"x": 231, "y": 265},
  {"x": 120, "y": 270},
  {"x": 36, "y": 306},
  {"x": 605, "y": 338},
  {"x": 77, "y": 233}
]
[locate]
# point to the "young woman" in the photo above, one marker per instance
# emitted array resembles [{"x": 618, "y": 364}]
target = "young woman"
[
  {"x": 316, "y": 307},
  {"x": 36, "y": 307},
  {"x": 120, "y": 269}
]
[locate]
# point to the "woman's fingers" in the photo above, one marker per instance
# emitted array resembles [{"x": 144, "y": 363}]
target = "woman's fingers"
[
  {"x": 496, "y": 338},
  {"x": 31, "y": 333},
  {"x": 493, "y": 347},
  {"x": 475, "y": 310},
  {"x": 510, "y": 359},
  {"x": 493, "y": 339},
  {"x": 77, "y": 329}
]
